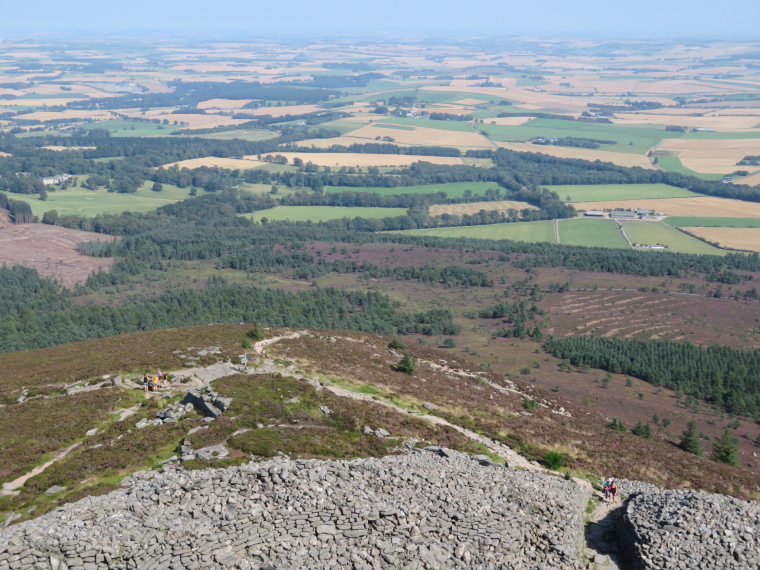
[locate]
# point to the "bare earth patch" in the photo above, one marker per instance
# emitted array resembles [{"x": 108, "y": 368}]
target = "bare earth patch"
[{"x": 51, "y": 251}]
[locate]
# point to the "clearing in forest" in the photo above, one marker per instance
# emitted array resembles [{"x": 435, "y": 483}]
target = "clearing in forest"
[{"x": 475, "y": 207}]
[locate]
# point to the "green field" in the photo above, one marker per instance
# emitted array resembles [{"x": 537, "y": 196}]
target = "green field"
[
  {"x": 591, "y": 233},
  {"x": 463, "y": 126},
  {"x": 643, "y": 138},
  {"x": 677, "y": 241},
  {"x": 397, "y": 127},
  {"x": 601, "y": 192},
  {"x": 85, "y": 202},
  {"x": 323, "y": 213},
  {"x": 122, "y": 128},
  {"x": 520, "y": 231},
  {"x": 673, "y": 164},
  {"x": 454, "y": 189},
  {"x": 709, "y": 222}
]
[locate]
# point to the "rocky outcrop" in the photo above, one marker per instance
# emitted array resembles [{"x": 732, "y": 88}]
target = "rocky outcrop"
[
  {"x": 207, "y": 401},
  {"x": 417, "y": 511},
  {"x": 691, "y": 529}
]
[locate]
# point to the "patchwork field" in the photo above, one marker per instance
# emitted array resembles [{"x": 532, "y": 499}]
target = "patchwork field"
[
  {"x": 475, "y": 207},
  {"x": 591, "y": 233},
  {"x": 338, "y": 159},
  {"x": 747, "y": 239},
  {"x": 51, "y": 251},
  {"x": 599, "y": 192},
  {"x": 519, "y": 231},
  {"x": 652, "y": 233},
  {"x": 700, "y": 206},
  {"x": 323, "y": 213}
]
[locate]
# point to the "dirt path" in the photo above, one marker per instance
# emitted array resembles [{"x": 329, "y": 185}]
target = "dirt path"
[
  {"x": 10, "y": 487},
  {"x": 556, "y": 231},
  {"x": 496, "y": 447},
  {"x": 259, "y": 347},
  {"x": 601, "y": 534}
]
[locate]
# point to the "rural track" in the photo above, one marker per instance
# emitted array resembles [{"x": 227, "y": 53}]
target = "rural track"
[
  {"x": 10, "y": 488},
  {"x": 625, "y": 235},
  {"x": 556, "y": 231},
  {"x": 493, "y": 144}
]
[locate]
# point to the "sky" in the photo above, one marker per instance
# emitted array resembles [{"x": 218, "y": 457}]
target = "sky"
[{"x": 723, "y": 19}]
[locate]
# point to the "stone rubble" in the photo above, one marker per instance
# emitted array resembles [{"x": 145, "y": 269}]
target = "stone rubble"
[
  {"x": 691, "y": 529},
  {"x": 416, "y": 511}
]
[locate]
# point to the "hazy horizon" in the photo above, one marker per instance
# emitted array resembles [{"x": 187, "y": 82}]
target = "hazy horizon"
[{"x": 647, "y": 19}]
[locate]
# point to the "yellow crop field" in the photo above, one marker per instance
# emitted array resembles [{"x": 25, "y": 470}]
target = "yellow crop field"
[
  {"x": 469, "y": 102},
  {"x": 619, "y": 158},
  {"x": 703, "y": 206},
  {"x": 722, "y": 123},
  {"x": 711, "y": 155},
  {"x": 475, "y": 207},
  {"x": 338, "y": 159},
  {"x": 212, "y": 161},
  {"x": 731, "y": 238},
  {"x": 424, "y": 136},
  {"x": 202, "y": 121},
  {"x": 281, "y": 111},
  {"x": 753, "y": 180},
  {"x": 511, "y": 121},
  {"x": 224, "y": 103}
]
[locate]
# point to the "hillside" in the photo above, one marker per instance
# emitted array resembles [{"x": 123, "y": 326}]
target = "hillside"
[{"x": 304, "y": 395}]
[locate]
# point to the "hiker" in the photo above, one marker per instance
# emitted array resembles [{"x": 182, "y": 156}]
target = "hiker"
[
  {"x": 607, "y": 483},
  {"x": 165, "y": 378},
  {"x": 612, "y": 491},
  {"x": 155, "y": 383},
  {"x": 145, "y": 382}
]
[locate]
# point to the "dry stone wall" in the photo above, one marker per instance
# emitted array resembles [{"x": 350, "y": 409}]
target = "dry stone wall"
[{"x": 420, "y": 511}]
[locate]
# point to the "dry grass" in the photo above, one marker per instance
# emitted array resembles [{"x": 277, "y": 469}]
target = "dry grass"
[
  {"x": 423, "y": 136},
  {"x": 701, "y": 206},
  {"x": 475, "y": 207},
  {"x": 339, "y": 159},
  {"x": 732, "y": 238},
  {"x": 212, "y": 161},
  {"x": 619, "y": 158},
  {"x": 469, "y": 102}
]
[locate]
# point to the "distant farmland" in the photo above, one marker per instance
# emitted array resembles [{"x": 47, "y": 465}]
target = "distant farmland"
[
  {"x": 591, "y": 233},
  {"x": 654, "y": 233},
  {"x": 453, "y": 190},
  {"x": 518, "y": 231}
]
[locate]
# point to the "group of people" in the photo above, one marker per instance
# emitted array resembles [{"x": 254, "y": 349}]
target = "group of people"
[
  {"x": 610, "y": 490},
  {"x": 152, "y": 383}
]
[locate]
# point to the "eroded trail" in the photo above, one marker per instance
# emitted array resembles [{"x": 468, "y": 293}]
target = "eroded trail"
[
  {"x": 10, "y": 488},
  {"x": 602, "y": 534}
]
